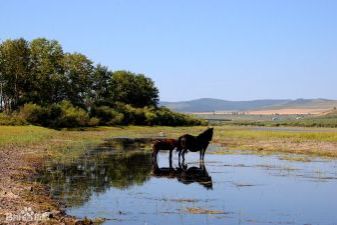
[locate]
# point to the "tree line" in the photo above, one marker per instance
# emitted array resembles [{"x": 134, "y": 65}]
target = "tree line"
[{"x": 44, "y": 85}]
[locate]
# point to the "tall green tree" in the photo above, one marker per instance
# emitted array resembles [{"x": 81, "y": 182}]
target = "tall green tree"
[
  {"x": 47, "y": 72},
  {"x": 101, "y": 86},
  {"x": 134, "y": 89},
  {"x": 15, "y": 80},
  {"x": 79, "y": 71}
]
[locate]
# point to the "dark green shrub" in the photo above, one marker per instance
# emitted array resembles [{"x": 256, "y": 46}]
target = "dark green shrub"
[
  {"x": 94, "y": 121},
  {"x": 34, "y": 114},
  {"x": 127, "y": 112},
  {"x": 138, "y": 115},
  {"x": 107, "y": 115},
  {"x": 11, "y": 120},
  {"x": 63, "y": 114},
  {"x": 151, "y": 117},
  {"x": 166, "y": 117},
  {"x": 156, "y": 116},
  {"x": 71, "y": 116}
]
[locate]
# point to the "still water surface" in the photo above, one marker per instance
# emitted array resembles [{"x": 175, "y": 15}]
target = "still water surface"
[{"x": 119, "y": 182}]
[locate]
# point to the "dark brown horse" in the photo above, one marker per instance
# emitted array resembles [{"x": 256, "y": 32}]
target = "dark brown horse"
[
  {"x": 195, "y": 143},
  {"x": 164, "y": 144}
]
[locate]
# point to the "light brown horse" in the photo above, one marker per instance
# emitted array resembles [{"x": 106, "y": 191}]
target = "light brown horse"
[{"x": 164, "y": 144}]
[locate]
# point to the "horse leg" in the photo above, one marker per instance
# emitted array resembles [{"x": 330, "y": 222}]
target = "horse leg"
[
  {"x": 170, "y": 162},
  {"x": 154, "y": 154},
  {"x": 183, "y": 153},
  {"x": 154, "y": 157},
  {"x": 202, "y": 154},
  {"x": 170, "y": 155},
  {"x": 202, "y": 165}
]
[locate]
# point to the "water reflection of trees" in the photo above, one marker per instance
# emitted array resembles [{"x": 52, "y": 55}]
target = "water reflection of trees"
[
  {"x": 128, "y": 144},
  {"x": 97, "y": 171}
]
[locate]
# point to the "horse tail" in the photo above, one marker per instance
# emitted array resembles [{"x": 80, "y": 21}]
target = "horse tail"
[{"x": 179, "y": 144}]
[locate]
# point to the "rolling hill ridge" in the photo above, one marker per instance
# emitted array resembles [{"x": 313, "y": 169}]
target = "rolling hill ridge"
[{"x": 211, "y": 105}]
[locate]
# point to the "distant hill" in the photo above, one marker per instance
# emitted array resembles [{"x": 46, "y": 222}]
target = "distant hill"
[
  {"x": 211, "y": 105},
  {"x": 309, "y": 104}
]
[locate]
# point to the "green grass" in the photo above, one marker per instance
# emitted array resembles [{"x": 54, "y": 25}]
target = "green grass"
[
  {"x": 252, "y": 133},
  {"x": 23, "y": 135},
  {"x": 315, "y": 142}
]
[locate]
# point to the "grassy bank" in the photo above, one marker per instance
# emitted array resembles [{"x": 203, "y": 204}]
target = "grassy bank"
[{"x": 308, "y": 141}]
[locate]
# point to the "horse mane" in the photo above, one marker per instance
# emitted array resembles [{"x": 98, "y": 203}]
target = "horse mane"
[{"x": 207, "y": 135}]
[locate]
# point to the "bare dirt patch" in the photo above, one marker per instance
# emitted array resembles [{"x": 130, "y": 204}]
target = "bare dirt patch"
[{"x": 17, "y": 193}]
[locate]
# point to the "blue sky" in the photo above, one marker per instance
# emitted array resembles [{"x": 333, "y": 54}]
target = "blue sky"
[{"x": 234, "y": 50}]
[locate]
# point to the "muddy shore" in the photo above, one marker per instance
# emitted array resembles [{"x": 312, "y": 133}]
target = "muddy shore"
[{"x": 19, "y": 195}]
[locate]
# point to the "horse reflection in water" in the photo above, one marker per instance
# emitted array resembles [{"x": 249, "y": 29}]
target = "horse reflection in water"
[{"x": 184, "y": 174}]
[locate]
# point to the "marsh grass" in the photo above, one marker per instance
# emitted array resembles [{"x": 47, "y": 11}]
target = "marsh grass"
[
  {"x": 296, "y": 158},
  {"x": 203, "y": 211}
]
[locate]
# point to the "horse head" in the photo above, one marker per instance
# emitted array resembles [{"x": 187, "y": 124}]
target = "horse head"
[{"x": 207, "y": 135}]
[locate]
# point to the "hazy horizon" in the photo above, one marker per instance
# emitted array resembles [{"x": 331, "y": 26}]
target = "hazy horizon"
[
  {"x": 235, "y": 100},
  {"x": 235, "y": 50}
]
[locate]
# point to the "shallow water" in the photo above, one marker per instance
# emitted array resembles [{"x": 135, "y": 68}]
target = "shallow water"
[{"x": 119, "y": 182}]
